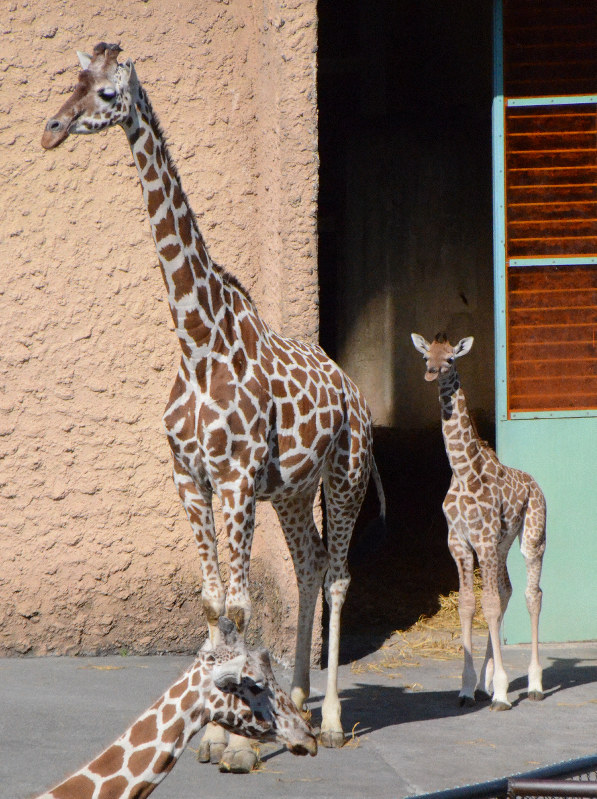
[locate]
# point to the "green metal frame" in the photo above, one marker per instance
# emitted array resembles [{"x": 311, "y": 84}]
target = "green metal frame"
[{"x": 558, "y": 448}]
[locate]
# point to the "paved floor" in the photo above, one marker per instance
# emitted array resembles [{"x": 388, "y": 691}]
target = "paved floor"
[{"x": 409, "y": 735}]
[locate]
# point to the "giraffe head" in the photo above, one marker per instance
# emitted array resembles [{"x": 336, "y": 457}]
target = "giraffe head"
[
  {"x": 246, "y": 698},
  {"x": 440, "y": 354},
  {"x": 102, "y": 96}
]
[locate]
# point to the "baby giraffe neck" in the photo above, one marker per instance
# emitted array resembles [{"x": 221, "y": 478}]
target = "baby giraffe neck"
[
  {"x": 140, "y": 759},
  {"x": 460, "y": 438}
]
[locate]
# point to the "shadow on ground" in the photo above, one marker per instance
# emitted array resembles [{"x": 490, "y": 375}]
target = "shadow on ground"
[{"x": 377, "y": 706}]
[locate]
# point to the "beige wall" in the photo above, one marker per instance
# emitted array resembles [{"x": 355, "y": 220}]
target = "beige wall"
[{"x": 95, "y": 548}]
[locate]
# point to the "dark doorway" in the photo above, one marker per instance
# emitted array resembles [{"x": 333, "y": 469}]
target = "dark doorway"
[{"x": 405, "y": 245}]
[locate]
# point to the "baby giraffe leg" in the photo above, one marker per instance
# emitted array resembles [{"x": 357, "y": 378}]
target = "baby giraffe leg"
[
  {"x": 533, "y": 547},
  {"x": 505, "y": 592},
  {"x": 463, "y": 556},
  {"x": 492, "y": 609}
]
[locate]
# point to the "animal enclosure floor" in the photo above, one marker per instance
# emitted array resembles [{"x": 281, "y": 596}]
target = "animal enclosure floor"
[{"x": 410, "y": 737}]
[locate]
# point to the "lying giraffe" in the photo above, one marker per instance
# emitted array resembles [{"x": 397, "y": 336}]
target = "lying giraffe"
[
  {"x": 231, "y": 685},
  {"x": 487, "y": 506},
  {"x": 252, "y": 415}
]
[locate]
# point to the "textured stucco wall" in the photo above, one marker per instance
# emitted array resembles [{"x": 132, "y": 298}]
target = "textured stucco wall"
[{"x": 95, "y": 548}]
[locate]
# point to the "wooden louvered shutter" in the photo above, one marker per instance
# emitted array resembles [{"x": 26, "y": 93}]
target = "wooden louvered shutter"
[{"x": 550, "y": 109}]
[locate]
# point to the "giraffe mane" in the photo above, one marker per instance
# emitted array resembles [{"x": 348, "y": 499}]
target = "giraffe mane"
[{"x": 226, "y": 276}]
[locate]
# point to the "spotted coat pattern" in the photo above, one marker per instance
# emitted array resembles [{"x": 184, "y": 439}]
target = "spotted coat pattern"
[
  {"x": 487, "y": 506},
  {"x": 231, "y": 685},
  {"x": 252, "y": 415}
]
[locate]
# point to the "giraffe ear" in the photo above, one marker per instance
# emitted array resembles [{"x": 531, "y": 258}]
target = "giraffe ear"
[
  {"x": 421, "y": 344},
  {"x": 463, "y": 346},
  {"x": 128, "y": 68},
  {"x": 230, "y": 672},
  {"x": 84, "y": 59}
]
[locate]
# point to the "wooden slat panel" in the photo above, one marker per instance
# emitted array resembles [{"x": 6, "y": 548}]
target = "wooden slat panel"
[
  {"x": 547, "y": 211},
  {"x": 552, "y": 338},
  {"x": 551, "y": 157},
  {"x": 549, "y": 48},
  {"x": 559, "y": 247},
  {"x": 525, "y": 300},
  {"x": 545, "y": 369}
]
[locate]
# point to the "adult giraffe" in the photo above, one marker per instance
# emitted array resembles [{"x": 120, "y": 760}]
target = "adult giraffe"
[
  {"x": 252, "y": 415},
  {"x": 231, "y": 684}
]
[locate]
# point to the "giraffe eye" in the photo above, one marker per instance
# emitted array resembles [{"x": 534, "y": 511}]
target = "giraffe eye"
[
  {"x": 450, "y": 360},
  {"x": 107, "y": 94}
]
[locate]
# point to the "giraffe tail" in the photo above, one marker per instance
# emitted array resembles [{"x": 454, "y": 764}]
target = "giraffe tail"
[
  {"x": 380, "y": 492},
  {"x": 372, "y": 534}
]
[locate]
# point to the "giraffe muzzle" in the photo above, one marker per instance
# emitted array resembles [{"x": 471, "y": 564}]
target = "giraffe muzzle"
[
  {"x": 306, "y": 747},
  {"x": 54, "y": 134}
]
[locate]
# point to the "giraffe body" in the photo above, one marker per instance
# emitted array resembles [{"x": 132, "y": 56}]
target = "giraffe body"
[
  {"x": 488, "y": 505},
  {"x": 252, "y": 415},
  {"x": 230, "y": 685}
]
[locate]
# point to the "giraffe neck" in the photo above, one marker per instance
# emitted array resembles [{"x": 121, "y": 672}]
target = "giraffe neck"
[
  {"x": 195, "y": 286},
  {"x": 462, "y": 443},
  {"x": 140, "y": 759}
]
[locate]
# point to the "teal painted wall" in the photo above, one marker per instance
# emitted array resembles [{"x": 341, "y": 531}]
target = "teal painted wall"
[
  {"x": 559, "y": 450},
  {"x": 561, "y": 455}
]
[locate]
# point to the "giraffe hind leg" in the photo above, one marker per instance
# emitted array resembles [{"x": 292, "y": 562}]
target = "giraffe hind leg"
[
  {"x": 342, "y": 511},
  {"x": 310, "y": 561},
  {"x": 533, "y": 547}
]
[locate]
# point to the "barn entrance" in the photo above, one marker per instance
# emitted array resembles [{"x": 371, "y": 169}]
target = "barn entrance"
[{"x": 405, "y": 244}]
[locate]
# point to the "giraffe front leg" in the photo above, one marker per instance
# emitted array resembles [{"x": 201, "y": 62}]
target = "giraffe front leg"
[
  {"x": 238, "y": 508},
  {"x": 197, "y": 504},
  {"x": 463, "y": 557},
  {"x": 485, "y": 685},
  {"x": 491, "y": 602}
]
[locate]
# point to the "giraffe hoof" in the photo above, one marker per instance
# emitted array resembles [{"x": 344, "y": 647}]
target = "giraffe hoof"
[
  {"x": 210, "y": 752},
  {"x": 466, "y": 701},
  {"x": 332, "y": 740},
  {"x": 536, "y": 696},
  {"x": 239, "y": 761},
  {"x": 499, "y": 705}
]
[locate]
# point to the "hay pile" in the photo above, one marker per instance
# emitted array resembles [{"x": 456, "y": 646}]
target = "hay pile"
[{"x": 436, "y": 637}]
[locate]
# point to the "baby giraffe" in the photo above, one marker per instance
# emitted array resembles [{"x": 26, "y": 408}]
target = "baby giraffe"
[
  {"x": 487, "y": 506},
  {"x": 231, "y": 685}
]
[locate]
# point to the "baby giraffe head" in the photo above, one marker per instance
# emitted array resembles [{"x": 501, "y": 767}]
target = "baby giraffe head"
[
  {"x": 102, "y": 97},
  {"x": 440, "y": 354}
]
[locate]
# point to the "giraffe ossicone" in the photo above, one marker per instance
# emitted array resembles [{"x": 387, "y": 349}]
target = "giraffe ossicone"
[
  {"x": 487, "y": 506},
  {"x": 231, "y": 685},
  {"x": 252, "y": 415}
]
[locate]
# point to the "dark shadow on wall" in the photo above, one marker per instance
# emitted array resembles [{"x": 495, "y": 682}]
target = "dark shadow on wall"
[{"x": 405, "y": 235}]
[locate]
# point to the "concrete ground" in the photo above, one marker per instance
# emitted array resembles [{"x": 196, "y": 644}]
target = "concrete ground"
[{"x": 410, "y": 737}]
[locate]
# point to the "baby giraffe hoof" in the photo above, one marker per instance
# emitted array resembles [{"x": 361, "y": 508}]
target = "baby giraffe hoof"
[
  {"x": 239, "y": 761},
  {"x": 332, "y": 740},
  {"x": 536, "y": 696},
  {"x": 499, "y": 705},
  {"x": 466, "y": 701},
  {"x": 210, "y": 752}
]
